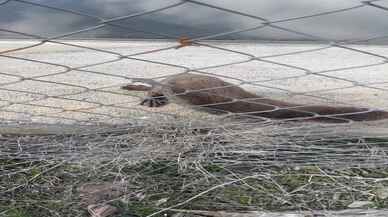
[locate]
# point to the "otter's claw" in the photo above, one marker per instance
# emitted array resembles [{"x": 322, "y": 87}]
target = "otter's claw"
[{"x": 155, "y": 101}]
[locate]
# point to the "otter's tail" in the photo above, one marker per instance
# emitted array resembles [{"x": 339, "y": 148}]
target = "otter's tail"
[
  {"x": 328, "y": 114},
  {"x": 371, "y": 115},
  {"x": 336, "y": 114}
]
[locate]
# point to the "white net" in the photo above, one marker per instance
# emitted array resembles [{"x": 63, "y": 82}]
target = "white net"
[{"x": 218, "y": 125}]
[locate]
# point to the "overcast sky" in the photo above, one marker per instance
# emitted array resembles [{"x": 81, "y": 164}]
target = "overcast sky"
[{"x": 193, "y": 20}]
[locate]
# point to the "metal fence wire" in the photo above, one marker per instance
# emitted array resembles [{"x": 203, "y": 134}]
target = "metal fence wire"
[{"x": 61, "y": 104}]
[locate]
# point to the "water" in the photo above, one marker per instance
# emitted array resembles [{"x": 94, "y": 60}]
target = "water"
[{"x": 79, "y": 81}]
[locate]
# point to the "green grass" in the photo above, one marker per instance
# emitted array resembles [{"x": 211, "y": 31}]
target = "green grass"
[
  {"x": 158, "y": 184},
  {"x": 17, "y": 213}
]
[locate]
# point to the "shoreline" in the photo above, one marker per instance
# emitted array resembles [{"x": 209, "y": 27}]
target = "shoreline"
[{"x": 233, "y": 42}]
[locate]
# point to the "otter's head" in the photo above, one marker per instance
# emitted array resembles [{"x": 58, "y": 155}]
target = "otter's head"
[{"x": 156, "y": 95}]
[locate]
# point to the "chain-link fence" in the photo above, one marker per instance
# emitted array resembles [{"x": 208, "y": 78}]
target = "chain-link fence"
[{"x": 218, "y": 125}]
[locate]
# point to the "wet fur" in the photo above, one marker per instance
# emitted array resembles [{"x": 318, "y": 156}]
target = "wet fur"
[{"x": 216, "y": 95}]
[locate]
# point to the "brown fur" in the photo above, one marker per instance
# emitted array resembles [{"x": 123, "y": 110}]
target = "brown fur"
[{"x": 215, "y": 94}]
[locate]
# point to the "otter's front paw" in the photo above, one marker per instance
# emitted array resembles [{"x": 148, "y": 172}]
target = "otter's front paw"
[{"x": 155, "y": 101}]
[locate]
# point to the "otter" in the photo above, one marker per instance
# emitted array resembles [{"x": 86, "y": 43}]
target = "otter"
[{"x": 215, "y": 95}]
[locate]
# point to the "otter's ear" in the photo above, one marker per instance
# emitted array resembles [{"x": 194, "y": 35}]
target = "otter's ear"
[{"x": 136, "y": 87}]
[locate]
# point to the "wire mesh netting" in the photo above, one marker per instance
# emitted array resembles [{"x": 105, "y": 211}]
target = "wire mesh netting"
[{"x": 190, "y": 122}]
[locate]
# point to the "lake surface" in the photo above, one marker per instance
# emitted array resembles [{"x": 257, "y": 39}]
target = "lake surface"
[{"x": 78, "y": 81}]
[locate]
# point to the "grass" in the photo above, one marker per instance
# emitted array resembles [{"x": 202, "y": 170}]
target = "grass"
[
  {"x": 275, "y": 189},
  {"x": 205, "y": 180},
  {"x": 18, "y": 213}
]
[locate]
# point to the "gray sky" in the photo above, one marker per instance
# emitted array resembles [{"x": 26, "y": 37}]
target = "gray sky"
[{"x": 195, "y": 21}]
